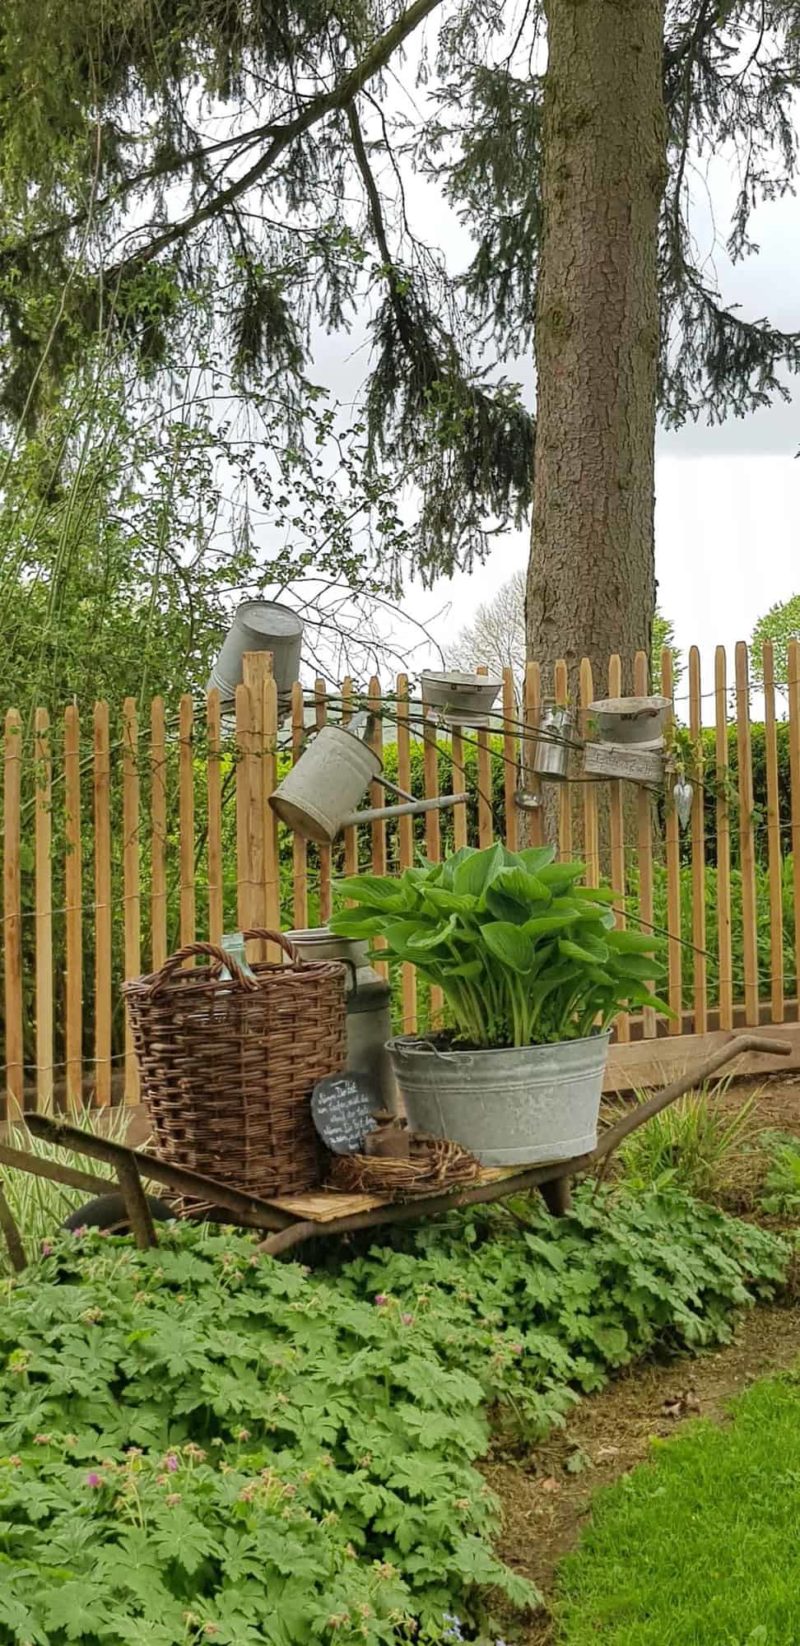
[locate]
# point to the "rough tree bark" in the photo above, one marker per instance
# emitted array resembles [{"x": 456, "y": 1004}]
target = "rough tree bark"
[{"x": 591, "y": 580}]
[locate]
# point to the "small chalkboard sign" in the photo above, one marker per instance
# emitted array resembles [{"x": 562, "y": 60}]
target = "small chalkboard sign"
[{"x": 343, "y": 1107}]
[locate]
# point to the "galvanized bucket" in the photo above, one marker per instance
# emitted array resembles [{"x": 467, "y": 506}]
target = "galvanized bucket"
[
  {"x": 319, "y": 794},
  {"x": 259, "y": 626},
  {"x": 513, "y": 1106},
  {"x": 367, "y": 996},
  {"x": 551, "y": 751}
]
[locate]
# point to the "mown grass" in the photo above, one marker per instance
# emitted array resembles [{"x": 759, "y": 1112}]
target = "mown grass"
[{"x": 700, "y": 1546}]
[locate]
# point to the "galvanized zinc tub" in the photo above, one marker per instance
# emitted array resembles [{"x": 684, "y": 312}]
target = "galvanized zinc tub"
[{"x": 513, "y": 1106}]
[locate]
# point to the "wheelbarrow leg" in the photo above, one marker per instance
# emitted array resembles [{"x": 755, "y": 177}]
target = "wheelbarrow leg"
[{"x": 557, "y": 1195}]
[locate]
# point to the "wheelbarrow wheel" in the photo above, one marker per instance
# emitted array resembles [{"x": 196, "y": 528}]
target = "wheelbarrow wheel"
[{"x": 109, "y": 1212}]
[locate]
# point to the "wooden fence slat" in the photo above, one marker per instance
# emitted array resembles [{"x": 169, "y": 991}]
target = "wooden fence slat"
[
  {"x": 299, "y": 843},
  {"x": 591, "y": 848},
  {"x": 256, "y": 668},
  {"x": 73, "y": 900},
  {"x": 561, "y": 691},
  {"x": 484, "y": 765},
  {"x": 377, "y": 798},
  {"x": 644, "y": 836},
  {"x": 722, "y": 767},
  {"x": 775, "y": 859},
  {"x": 351, "y": 833},
  {"x": 700, "y": 1024},
  {"x": 510, "y": 759},
  {"x": 131, "y": 892},
  {"x": 460, "y": 786},
  {"x": 672, "y": 849},
  {"x": 617, "y": 834},
  {"x": 794, "y": 768},
  {"x": 269, "y": 782},
  {"x": 531, "y": 713},
  {"x": 43, "y": 848},
  {"x": 12, "y": 912},
  {"x": 186, "y": 819},
  {"x": 103, "y": 952},
  {"x": 244, "y": 755},
  {"x": 216, "y": 909},
  {"x": 746, "y": 836},
  {"x": 406, "y": 839},
  {"x": 433, "y": 836},
  {"x": 324, "y": 852},
  {"x": 158, "y": 834}
]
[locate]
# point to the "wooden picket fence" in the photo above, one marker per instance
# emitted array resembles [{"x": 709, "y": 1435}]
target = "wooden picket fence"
[{"x": 128, "y": 834}]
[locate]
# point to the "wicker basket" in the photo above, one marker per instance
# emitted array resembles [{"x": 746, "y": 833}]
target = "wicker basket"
[{"x": 228, "y": 1065}]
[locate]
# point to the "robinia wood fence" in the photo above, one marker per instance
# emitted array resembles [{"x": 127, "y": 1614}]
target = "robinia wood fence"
[{"x": 131, "y": 830}]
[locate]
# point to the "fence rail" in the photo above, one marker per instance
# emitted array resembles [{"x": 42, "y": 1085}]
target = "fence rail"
[{"x": 127, "y": 831}]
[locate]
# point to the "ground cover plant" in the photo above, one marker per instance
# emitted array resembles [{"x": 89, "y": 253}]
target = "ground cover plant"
[
  {"x": 780, "y": 1194},
  {"x": 700, "y": 1545},
  {"x": 697, "y": 1144},
  {"x": 201, "y": 1442}
]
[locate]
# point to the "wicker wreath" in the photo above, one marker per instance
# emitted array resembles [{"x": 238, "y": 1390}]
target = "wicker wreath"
[{"x": 434, "y": 1164}]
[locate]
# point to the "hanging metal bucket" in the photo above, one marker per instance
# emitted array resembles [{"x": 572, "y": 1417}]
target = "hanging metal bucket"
[
  {"x": 551, "y": 751},
  {"x": 318, "y": 795},
  {"x": 259, "y": 626}
]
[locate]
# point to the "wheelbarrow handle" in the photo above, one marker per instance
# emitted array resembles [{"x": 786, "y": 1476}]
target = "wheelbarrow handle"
[{"x": 615, "y": 1135}]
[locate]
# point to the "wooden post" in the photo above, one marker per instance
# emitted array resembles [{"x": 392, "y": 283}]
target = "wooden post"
[
  {"x": 216, "y": 910},
  {"x": 433, "y": 838},
  {"x": 484, "y": 767},
  {"x": 644, "y": 837},
  {"x": 244, "y": 885},
  {"x": 622, "y": 1024},
  {"x": 590, "y": 826},
  {"x": 186, "y": 818},
  {"x": 44, "y": 912},
  {"x": 325, "y": 856},
  {"x": 777, "y": 1012},
  {"x": 700, "y": 1024},
  {"x": 103, "y": 953},
  {"x": 131, "y": 891},
  {"x": 673, "y": 856},
  {"x": 269, "y": 782},
  {"x": 746, "y": 837},
  {"x": 12, "y": 912},
  {"x": 299, "y": 843},
  {"x": 73, "y": 879},
  {"x": 158, "y": 835},
  {"x": 406, "y": 838},
  {"x": 724, "y": 926},
  {"x": 561, "y": 690},
  {"x": 510, "y": 759},
  {"x": 256, "y": 671}
]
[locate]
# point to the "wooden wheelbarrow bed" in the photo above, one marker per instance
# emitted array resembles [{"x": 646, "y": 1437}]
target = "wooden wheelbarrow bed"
[{"x": 288, "y": 1221}]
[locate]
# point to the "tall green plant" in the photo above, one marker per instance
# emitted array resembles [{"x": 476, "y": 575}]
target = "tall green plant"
[{"x": 522, "y": 953}]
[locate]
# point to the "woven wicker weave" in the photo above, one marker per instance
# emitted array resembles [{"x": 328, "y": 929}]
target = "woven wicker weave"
[{"x": 228, "y": 1065}]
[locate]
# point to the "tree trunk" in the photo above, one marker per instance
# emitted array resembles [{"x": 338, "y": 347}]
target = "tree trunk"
[{"x": 591, "y": 580}]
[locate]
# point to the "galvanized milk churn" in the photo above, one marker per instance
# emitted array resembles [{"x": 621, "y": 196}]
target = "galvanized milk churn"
[{"x": 369, "y": 1023}]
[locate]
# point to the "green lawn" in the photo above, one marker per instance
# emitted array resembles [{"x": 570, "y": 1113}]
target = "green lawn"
[{"x": 700, "y": 1546}]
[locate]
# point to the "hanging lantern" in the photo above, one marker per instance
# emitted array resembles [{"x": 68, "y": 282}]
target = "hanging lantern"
[{"x": 683, "y": 794}]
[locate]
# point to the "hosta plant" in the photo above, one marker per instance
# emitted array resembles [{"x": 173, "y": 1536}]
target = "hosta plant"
[{"x": 523, "y": 954}]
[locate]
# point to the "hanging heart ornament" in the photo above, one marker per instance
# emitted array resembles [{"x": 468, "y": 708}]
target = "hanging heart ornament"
[{"x": 683, "y": 794}]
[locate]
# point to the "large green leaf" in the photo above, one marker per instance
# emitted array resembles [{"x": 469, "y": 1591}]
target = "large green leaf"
[
  {"x": 635, "y": 965},
  {"x": 536, "y": 858},
  {"x": 560, "y": 875},
  {"x": 508, "y": 944},
  {"x": 434, "y": 937},
  {"x": 376, "y": 892},
  {"x": 357, "y": 923},
  {"x": 544, "y": 925},
  {"x": 478, "y": 870},
  {"x": 441, "y": 900},
  {"x": 636, "y": 942},
  {"x": 570, "y": 950}
]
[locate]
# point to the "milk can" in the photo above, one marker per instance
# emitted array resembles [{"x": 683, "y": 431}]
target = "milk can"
[{"x": 369, "y": 1023}]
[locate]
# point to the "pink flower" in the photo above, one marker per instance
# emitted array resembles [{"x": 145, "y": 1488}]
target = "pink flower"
[
  {"x": 93, "y": 1479},
  {"x": 78, "y": 1232},
  {"x": 47, "y": 1248},
  {"x": 244, "y": 1434},
  {"x": 41, "y": 1440},
  {"x": 172, "y": 1499},
  {"x": 381, "y": 1300},
  {"x": 171, "y": 1462},
  {"x": 408, "y": 1320}
]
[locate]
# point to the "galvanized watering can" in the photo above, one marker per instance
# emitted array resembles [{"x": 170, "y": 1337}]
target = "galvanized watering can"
[{"x": 319, "y": 796}]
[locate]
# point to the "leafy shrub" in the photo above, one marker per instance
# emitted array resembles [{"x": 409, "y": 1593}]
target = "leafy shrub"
[
  {"x": 200, "y": 1442},
  {"x": 522, "y": 954},
  {"x": 781, "y": 1189},
  {"x": 694, "y": 1144}
]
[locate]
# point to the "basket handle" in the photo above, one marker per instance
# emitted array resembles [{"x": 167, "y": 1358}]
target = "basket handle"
[
  {"x": 213, "y": 952},
  {"x": 265, "y": 935}
]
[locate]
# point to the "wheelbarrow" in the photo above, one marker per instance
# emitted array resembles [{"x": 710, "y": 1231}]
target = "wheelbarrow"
[{"x": 288, "y": 1221}]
